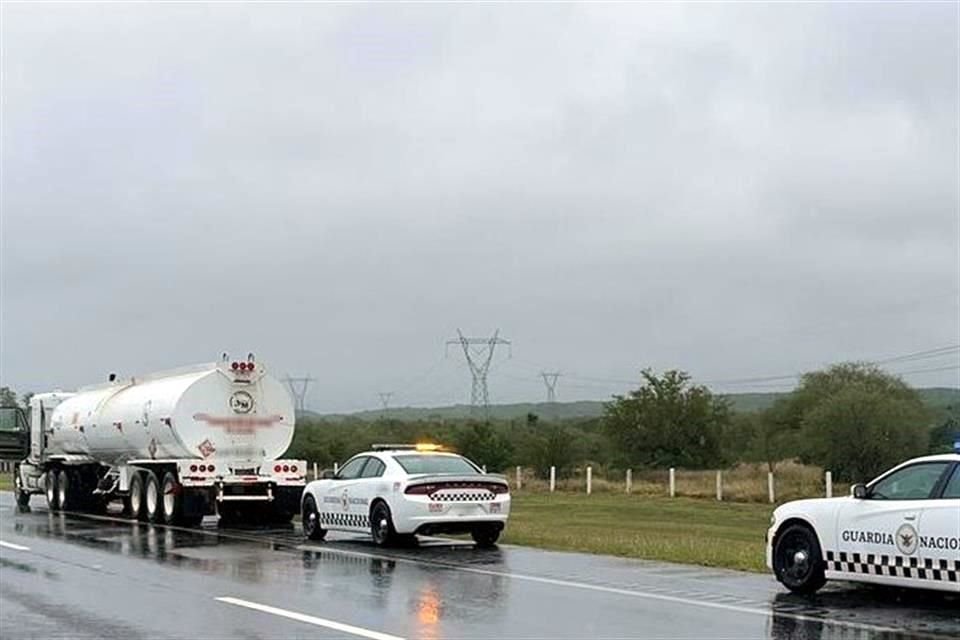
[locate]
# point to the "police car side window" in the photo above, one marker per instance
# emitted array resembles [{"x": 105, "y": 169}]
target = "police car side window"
[
  {"x": 352, "y": 469},
  {"x": 915, "y": 482},
  {"x": 952, "y": 490},
  {"x": 374, "y": 469}
]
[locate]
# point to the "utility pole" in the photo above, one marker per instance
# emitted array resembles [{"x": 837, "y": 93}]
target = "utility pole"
[
  {"x": 385, "y": 401},
  {"x": 550, "y": 380},
  {"x": 298, "y": 387},
  {"x": 479, "y": 354}
]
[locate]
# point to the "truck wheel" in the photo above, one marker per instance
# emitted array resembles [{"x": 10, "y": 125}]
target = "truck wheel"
[
  {"x": 50, "y": 489},
  {"x": 23, "y": 497},
  {"x": 312, "y": 528},
  {"x": 151, "y": 498},
  {"x": 66, "y": 491},
  {"x": 171, "y": 502},
  {"x": 135, "y": 499},
  {"x": 485, "y": 536},
  {"x": 798, "y": 560},
  {"x": 381, "y": 525}
]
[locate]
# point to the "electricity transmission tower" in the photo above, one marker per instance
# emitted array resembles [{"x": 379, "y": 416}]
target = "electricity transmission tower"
[
  {"x": 385, "y": 400},
  {"x": 479, "y": 354},
  {"x": 550, "y": 380},
  {"x": 298, "y": 387}
]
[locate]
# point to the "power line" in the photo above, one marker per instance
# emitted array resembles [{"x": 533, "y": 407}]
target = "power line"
[
  {"x": 478, "y": 353},
  {"x": 298, "y": 387},
  {"x": 550, "y": 380}
]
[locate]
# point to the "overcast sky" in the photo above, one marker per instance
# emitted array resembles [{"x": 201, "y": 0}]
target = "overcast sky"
[{"x": 737, "y": 191}]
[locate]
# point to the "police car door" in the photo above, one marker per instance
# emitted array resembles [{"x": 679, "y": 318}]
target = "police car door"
[
  {"x": 878, "y": 536},
  {"x": 940, "y": 535},
  {"x": 338, "y": 512},
  {"x": 370, "y": 486}
]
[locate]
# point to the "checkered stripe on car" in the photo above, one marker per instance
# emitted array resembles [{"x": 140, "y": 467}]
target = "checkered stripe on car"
[
  {"x": 357, "y": 520},
  {"x": 473, "y": 496},
  {"x": 939, "y": 570}
]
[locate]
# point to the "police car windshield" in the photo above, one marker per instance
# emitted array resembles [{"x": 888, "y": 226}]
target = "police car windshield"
[{"x": 421, "y": 463}]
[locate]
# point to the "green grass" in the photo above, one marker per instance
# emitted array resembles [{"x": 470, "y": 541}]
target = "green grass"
[
  {"x": 674, "y": 530},
  {"x": 6, "y": 481}
]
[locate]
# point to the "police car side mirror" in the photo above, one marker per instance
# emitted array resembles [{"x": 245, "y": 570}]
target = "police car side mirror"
[
  {"x": 859, "y": 491},
  {"x": 328, "y": 474}
]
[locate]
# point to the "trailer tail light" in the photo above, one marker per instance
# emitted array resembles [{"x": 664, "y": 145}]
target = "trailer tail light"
[
  {"x": 286, "y": 468},
  {"x": 211, "y": 468},
  {"x": 293, "y": 468},
  {"x": 249, "y": 366},
  {"x": 277, "y": 468},
  {"x": 235, "y": 366},
  {"x": 193, "y": 468}
]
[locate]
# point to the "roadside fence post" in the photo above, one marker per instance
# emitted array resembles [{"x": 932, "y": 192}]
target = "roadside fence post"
[
  {"x": 553, "y": 479},
  {"x": 719, "y": 486},
  {"x": 519, "y": 478},
  {"x": 673, "y": 482},
  {"x": 589, "y": 480},
  {"x": 770, "y": 487},
  {"x": 315, "y": 474},
  {"x": 828, "y": 481},
  {"x": 629, "y": 480}
]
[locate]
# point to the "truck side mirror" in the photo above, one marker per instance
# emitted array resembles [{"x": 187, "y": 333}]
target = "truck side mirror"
[
  {"x": 859, "y": 491},
  {"x": 328, "y": 474}
]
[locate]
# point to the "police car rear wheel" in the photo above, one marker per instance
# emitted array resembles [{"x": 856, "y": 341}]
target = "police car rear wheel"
[
  {"x": 485, "y": 536},
  {"x": 798, "y": 560},
  {"x": 381, "y": 525},
  {"x": 311, "y": 520}
]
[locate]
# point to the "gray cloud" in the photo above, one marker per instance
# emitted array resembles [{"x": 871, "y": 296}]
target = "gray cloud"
[{"x": 735, "y": 190}]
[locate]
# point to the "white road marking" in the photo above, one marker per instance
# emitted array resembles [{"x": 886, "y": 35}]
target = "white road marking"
[
  {"x": 612, "y": 590},
  {"x": 15, "y": 547},
  {"x": 320, "y": 622}
]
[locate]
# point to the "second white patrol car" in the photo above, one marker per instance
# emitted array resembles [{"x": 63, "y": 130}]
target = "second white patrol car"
[
  {"x": 405, "y": 490},
  {"x": 901, "y": 529}
]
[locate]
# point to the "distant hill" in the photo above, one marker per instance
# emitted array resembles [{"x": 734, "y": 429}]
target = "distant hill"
[{"x": 937, "y": 398}]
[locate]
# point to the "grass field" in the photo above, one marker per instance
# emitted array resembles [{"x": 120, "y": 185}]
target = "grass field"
[
  {"x": 676, "y": 530},
  {"x": 6, "y": 481}
]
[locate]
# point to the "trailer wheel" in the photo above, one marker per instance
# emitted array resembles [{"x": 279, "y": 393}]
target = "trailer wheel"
[
  {"x": 135, "y": 499},
  {"x": 171, "y": 501},
  {"x": 50, "y": 489},
  {"x": 151, "y": 498}
]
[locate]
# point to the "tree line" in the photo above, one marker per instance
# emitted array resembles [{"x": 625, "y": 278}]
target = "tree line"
[{"x": 852, "y": 418}]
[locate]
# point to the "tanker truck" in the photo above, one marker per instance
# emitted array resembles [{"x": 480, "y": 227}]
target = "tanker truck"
[{"x": 174, "y": 446}]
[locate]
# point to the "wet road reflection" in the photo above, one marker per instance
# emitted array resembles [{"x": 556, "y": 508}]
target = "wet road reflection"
[{"x": 434, "y": 589}]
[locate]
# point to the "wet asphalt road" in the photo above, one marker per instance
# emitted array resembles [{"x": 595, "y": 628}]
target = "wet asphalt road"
[{"x": 72, "y": 576}]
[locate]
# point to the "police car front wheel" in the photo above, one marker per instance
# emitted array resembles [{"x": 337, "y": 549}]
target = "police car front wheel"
[{"x": 798, "y": 559}]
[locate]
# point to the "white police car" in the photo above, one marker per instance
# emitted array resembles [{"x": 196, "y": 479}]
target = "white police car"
[
  {"x": 404, "y": 490},
  {"x": 901, "y": 529}
]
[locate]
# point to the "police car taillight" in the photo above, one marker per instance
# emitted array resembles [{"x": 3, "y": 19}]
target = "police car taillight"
[{"x": 421, "y": 489}]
